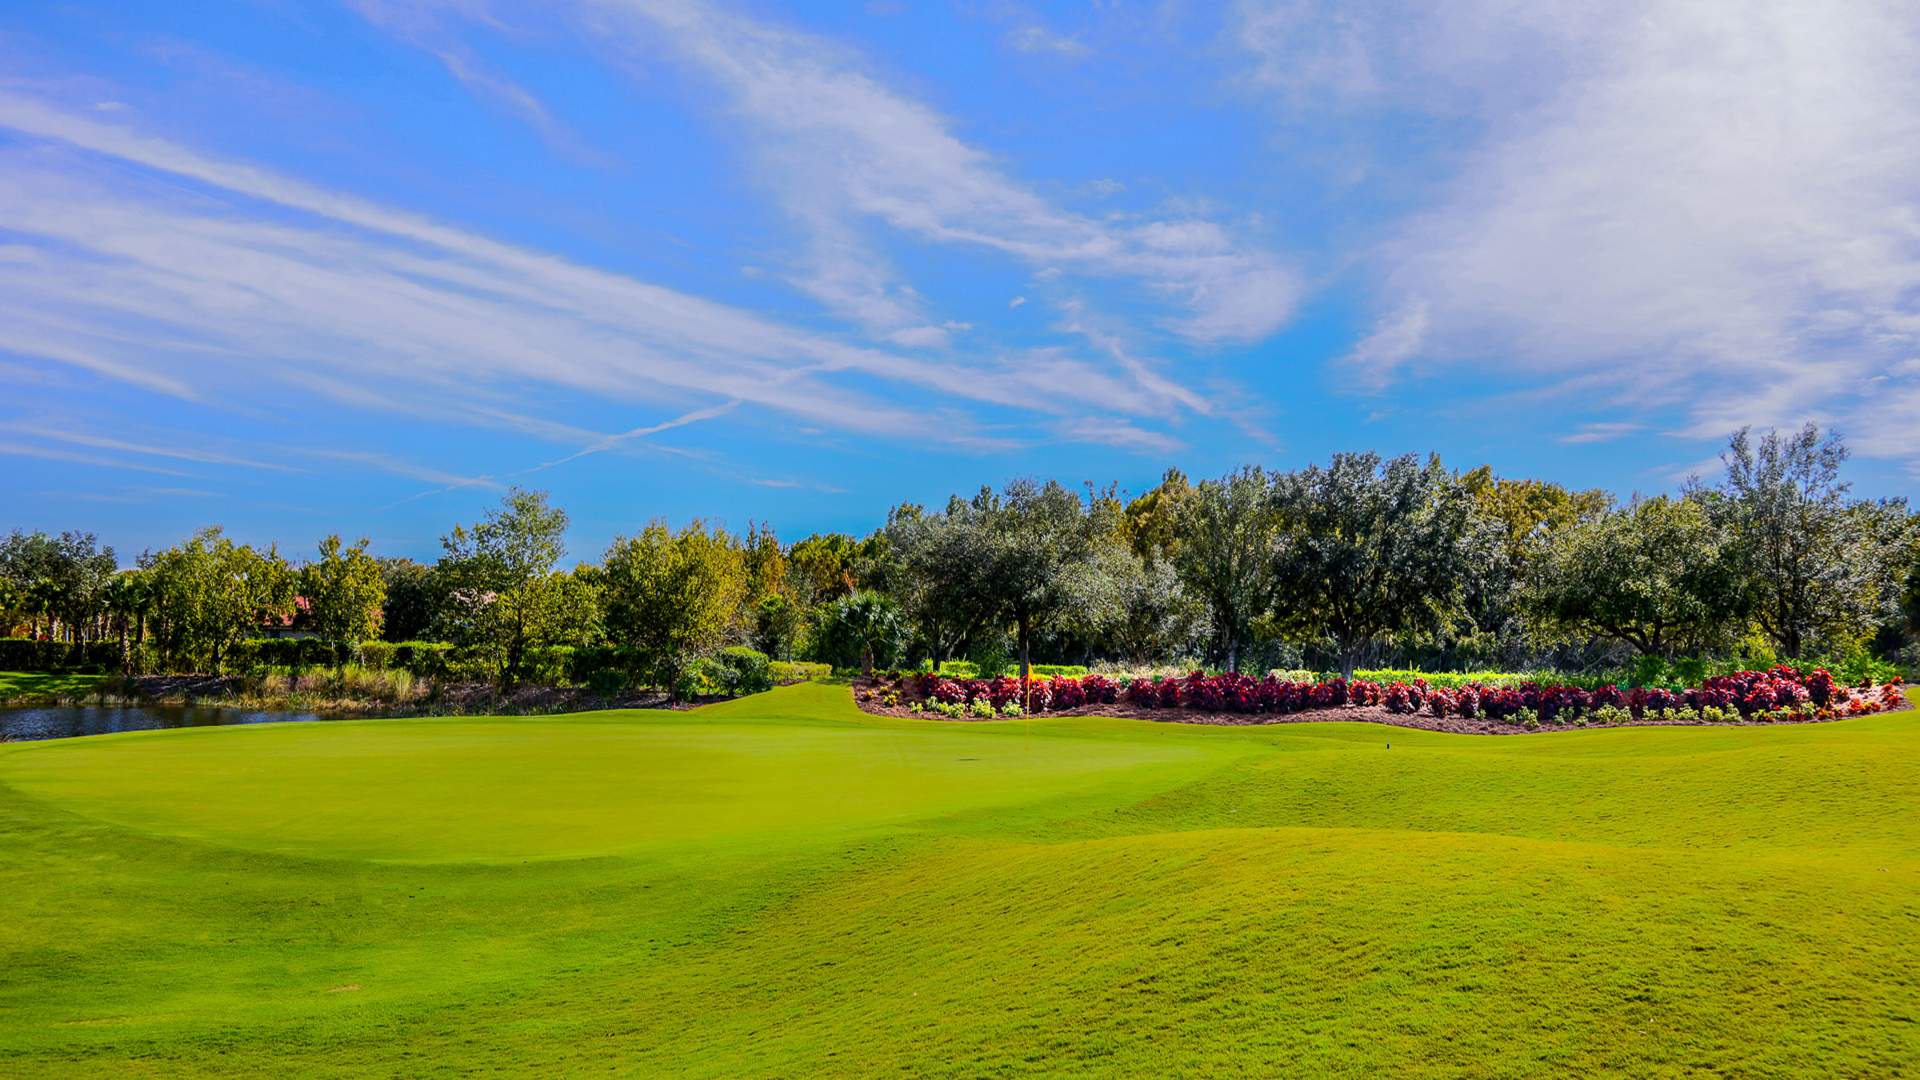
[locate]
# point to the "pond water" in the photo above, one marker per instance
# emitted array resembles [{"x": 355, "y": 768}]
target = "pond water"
[{"x": 67, "y": 721}]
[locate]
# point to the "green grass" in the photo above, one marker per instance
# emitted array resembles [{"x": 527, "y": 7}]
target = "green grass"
[
  {"x": 784, "y": 886},
  {"x": 42, "y": 685}
]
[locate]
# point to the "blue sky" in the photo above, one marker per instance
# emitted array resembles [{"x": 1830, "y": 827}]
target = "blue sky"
[{"x": 306, "y": 267}]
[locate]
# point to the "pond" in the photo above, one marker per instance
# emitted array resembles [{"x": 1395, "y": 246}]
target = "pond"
[{"x": 67, "y": 721}]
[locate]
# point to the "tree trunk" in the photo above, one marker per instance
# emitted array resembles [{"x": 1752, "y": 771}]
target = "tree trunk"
[
  {"x": 1348, "y": 654},
  {"x": 1233, "y": 654},
  {"x": 1026, "y": 665}
]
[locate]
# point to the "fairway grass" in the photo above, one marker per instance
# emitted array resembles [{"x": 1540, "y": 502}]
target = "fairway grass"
[
  {"x": 785, "y": 886},
  {"x": 43, "y": 685}
]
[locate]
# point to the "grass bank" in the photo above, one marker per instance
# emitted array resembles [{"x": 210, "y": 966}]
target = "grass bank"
[{"x": 783, "y": 885}]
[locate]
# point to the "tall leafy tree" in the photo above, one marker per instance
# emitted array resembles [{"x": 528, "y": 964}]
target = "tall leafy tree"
[
  {"x": 210, "y": 592},
  {"x": 1223, "y": 550},
  {"x": 1040, "y": 542},
  {"x": 415, "y": 598},
  {"x": 1151, "y": 523},
  {"x": 498, "y": 573},
  {"x": 61, "y": 579},
  {"x": 1815, "y": 568},
  {"x": 672, "y": 597},
  {"x": 1139, "y": 610},
  {"x": 822, "y": 567},
  {"x": 345, "y": 590},
  {"x": 1654, "y": 575},
  {"x": 1370, "y": 550},
  {"x": 935, "y": 569}
]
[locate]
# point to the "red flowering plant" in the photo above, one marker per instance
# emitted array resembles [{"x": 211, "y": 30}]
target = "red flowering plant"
[
  {"x": 1329, "y": 694},
  {"x": 1821, "y": 687},
  {"x": 1466, "y": 701},
  {"x": 1400, "y": 699},
  {"x": 1650, "y": 699},
  {"x": 1201, "y": 692},
  {"x": 1167, "y": 693},
  {"x": 1067, "y": 693},
  {"x": 1038, "y": 695},
  {"x": 1143, "y": 693},
  {"x": 1002, "y": 690},
  {"x": 946, "y": 691},
  {"x": 1099, "y": 690}
]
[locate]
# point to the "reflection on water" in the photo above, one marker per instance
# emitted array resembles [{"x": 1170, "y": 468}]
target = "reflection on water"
[{"x": 66, "y": 721}]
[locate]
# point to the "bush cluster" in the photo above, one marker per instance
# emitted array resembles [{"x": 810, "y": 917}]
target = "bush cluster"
[
  {"x": 26, "y": 654},
  {"x": 1745, "y": 694},
  {"x": 1778, "y": 693}
]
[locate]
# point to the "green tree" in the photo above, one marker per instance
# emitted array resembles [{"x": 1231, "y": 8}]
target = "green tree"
[
  {"x": 209, "y": 593},
  {"x": 1040, "y": 542},
  {"x": 345, "y": 591},
  {"x": 1654, "y": 574},
  {"x": 128, "y": 598},
  {"x": 498, "y": 577},
  {"x": 1815, "y": 570},
  {"x": 62, "y": 579},
  {"x": 671, "y": 598},
  {"x": 864, "y": 628},
  {"x": 935, "y": 569},
  {"x": 1151, "y": 524},
  {"x": 1370, "y": 551},
  {"x": 821, "y": 567},
  {"x": 1223, "y": 550},
  {"x": 1146, "y": 614},
  {"x": 416, "y": 597}
]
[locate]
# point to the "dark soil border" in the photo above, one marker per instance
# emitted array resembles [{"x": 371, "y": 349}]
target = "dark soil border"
[{"x": 1365, "y": 714}]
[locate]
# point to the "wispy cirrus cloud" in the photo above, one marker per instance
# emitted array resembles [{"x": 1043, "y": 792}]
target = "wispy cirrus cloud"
[
  {"x": 1715, "y": 204},
  {"x": 242, "y": 269},
  {"x": 843, "y": 151}
]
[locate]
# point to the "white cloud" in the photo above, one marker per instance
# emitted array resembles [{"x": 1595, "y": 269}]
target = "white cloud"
[
  {"x": 1123, "y": 435},
  {"x": 1715, "y": 204},
  {"x": 1601, "y": 432},
  {"x": 1393, "y": 341},
  {"x": 841, "y": 149},
  {"x": 175, "y": 287},
  {"x": 1034, "y": 38}
]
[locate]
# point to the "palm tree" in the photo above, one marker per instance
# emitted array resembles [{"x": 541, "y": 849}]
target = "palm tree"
[
  {"x": 44, "y": 596},
  {"x": 127, "y": 598}
]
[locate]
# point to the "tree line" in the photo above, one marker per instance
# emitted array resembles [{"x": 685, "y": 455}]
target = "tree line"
[{"x": 1362, "y": 559}]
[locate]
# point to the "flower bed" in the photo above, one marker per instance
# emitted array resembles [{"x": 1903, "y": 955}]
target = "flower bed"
[{"x": 1778, "y": 695}]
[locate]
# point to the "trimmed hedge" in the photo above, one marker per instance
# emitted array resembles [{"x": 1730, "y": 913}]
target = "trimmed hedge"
[
  {"x": 26, "y": 654},
  {"x": 607, "y": 669}
]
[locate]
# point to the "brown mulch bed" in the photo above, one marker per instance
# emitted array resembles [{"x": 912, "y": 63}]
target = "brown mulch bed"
[{"x": 1366, "y": 714}]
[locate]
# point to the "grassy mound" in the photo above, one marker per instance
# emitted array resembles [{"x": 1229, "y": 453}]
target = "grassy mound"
[{"x": 783, "y": 885}]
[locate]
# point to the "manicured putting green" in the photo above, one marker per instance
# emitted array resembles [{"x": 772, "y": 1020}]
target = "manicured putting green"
[
  {"x": 784, "y": 886},
  {"x": 511, "y": 789}
]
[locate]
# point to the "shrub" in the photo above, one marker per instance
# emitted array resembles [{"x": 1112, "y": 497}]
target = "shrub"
[
  {"x": 1608, "y": 715},
  {"x": 741, "y": 670},
  {"x": 1067, "y": 693},
  {"x": 790, "y": 671},
  {"x": 982, "y": 707},
  {"x": 1099, "y": 690},
  {"x": 1143, "y": 692},
  {"x": 1167, "y": 693}
]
